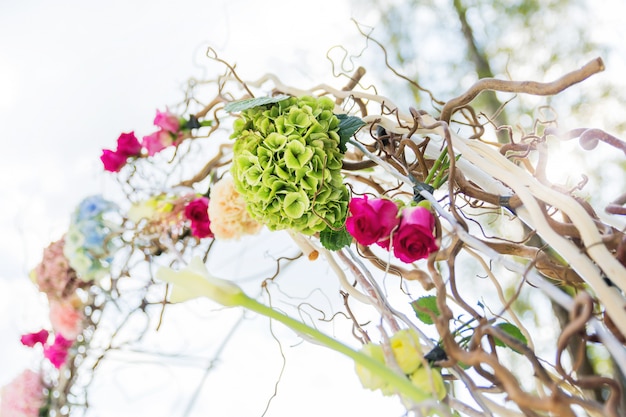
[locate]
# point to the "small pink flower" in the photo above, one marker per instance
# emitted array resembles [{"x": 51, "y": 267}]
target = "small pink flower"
[
  {"x": 167, "y": 121},
  {"x": 127, "y": 144},
  {"x": 414, "y": 239},
  {"x": 65, "y": 319},
  {"x": 58, "y": 351},
  {"x": 31, "y": 339},
  {"x": 372, "y": 221},
  {"x": 157, "y": 141},
  {"x": 113, "y": 161},
  {"x": 197, "y": 211},
  {"x": 22, "y": 397}
]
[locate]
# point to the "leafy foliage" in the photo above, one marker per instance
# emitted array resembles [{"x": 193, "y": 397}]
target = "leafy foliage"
[
  {"x": 512, "y": 331},
  {"x": 250, "y": 103},
  {"x": 334, "y": 240},
  {"x": 428, "y": 303},
  {"x": 348, "y": 126}
]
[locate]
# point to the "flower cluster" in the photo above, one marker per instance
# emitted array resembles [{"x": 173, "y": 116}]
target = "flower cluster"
[
  {"x": 89, "y": 242},
  {"x": 56, "y": 352},
  {"x": 406, "y": 355},
  {"x": 172, "y": 129},
  {"x": 127, "y": 146},
  {"x": 197, "y": 212},
  {"x": 23, "y": 396},
  {"x": 230, "y": 219},
  {"x": 158, "y": 212},
  {"x": 165, "y": 213},
  {"x": 53, "y": 275},
  {"x": 58, "y": 280},
  {"x": 409, "y": 232},
  {"x": 287, "y": 164}
]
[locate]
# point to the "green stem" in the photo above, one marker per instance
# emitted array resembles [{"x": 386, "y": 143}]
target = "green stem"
[
  {"x": 440, "y": 179},
  {"x": 436, "y": 166},
  {"x": 398, "y": 381}
]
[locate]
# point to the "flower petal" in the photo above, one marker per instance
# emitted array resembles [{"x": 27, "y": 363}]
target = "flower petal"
[{"x": 195, "y": 281}]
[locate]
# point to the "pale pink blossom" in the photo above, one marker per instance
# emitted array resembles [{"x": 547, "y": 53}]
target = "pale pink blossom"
[
  {"x": 167, "y": 121},
  {"x": 22, "y": 397},
  {"x": 66, "y": 319},
  {"x": 228, "y": 214},
  {"x": 158, "y": 141}
]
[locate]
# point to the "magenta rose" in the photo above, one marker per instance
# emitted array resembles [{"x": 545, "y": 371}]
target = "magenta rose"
[
  {"x": 197, "y": 211},
  {"x": 372, "y": 221},
  {"x": 57, "y": 352},
  {"x": 167, "y": 121},
  {"x": 31, "y": 339},
  {"x": 414, "y": 239},
  {"x": 113, "y": 161},
  {"x": 127, "y": 144}
]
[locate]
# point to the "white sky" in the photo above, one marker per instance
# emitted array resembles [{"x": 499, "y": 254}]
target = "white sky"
[
  {"x": 76, "y": 73},
  {"x": 73, "y": 75}
]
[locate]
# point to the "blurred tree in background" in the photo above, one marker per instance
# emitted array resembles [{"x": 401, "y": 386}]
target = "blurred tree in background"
[
  {"x": 440, "y": 44},
  {"x": 446, "y": 46}
]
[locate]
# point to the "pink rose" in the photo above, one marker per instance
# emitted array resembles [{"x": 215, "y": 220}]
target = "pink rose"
[
  {"x": 58, "y": 351},
  {"x": 414, "y": 239},
  {"x": 65, "y": 319},
  {"x": 167, "y": 121},
  {"x": 127, "y": 144},
  {"x": 31, "y": 339},
  {"x": 23, "y": 396},
  {"x": 157, "y": 141},
  {"x": 197, "y": 211},
  {"x": 113, "y": 161},
  {"x": 372, "y": 221}
]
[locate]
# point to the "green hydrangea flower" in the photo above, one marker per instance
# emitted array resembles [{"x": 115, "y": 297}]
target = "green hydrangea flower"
[{"x": 287, "y": 164}]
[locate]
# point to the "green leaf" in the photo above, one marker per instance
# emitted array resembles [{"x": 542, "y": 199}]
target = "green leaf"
[
  {"x": 348, "y": 126},
  {"x": 335, "y": 239},
  {"x": 512, "y": 331},
  {"x": 428, "y": 302},
  {"x": 250, "y": 103}
]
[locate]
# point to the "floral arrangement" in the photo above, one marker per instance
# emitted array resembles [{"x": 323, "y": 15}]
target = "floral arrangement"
[
  {"x": 287, "y": 164},
  {"x": 382, "y": 195}
]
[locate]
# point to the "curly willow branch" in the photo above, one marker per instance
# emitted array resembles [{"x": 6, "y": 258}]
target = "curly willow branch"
[
  {"x": 526, "y": 87},
  {"x": 493, "y": 176}
]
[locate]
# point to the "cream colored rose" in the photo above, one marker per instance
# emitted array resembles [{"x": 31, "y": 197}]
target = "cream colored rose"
[{"x": 228, "y": 214}]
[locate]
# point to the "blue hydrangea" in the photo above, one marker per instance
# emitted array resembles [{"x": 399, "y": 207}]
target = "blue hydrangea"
[{"x": 90, "y": 242}]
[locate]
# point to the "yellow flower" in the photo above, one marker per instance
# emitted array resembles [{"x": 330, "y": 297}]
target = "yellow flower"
[
  {"x": 407, "y": 350},
  {"x": 195, "y": 281},
  {"x": 369, "y": 379},
  {"x": 150, "y": 208},
  {"x": 228, "y": 214},
  {"x": 429, "y": 383}
]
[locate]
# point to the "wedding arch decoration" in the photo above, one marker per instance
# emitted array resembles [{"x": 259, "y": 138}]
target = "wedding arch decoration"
[{"x": 423, "y": 218}]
